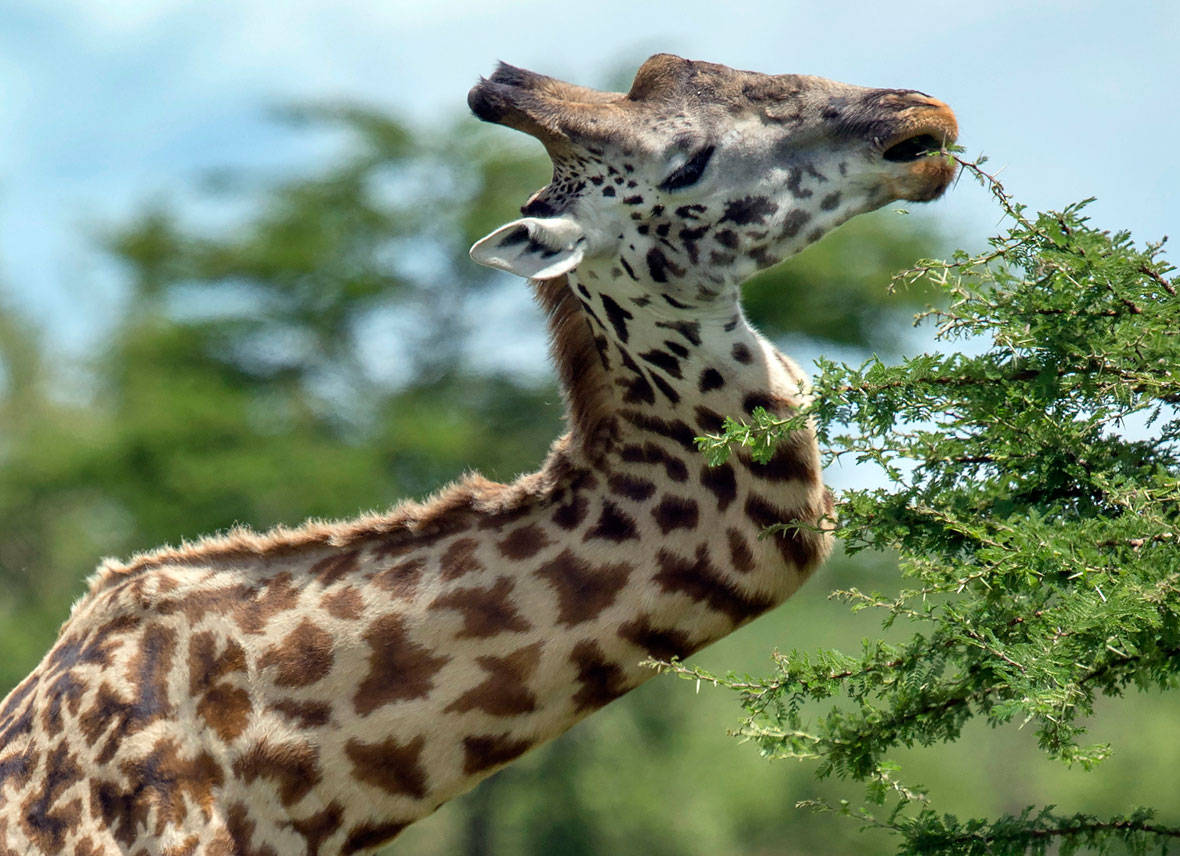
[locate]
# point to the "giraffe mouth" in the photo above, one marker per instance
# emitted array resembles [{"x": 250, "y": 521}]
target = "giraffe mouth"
[
  {"x": 912, "y": 148},
  {"x": 915, "y": 147},
  {"x": 925, "y": 129}
]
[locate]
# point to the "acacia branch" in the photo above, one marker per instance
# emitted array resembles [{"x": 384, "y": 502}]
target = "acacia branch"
[{"x": 1088, "y": 828}]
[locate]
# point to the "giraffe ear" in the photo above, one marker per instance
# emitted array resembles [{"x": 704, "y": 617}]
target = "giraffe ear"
[{"x": 533, "y": 247}]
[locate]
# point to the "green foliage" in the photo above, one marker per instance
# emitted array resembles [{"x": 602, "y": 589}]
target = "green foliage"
[{"x": 1032, "y": 493}]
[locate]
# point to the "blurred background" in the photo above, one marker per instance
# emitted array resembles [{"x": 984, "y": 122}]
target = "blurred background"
[{"x": 234, "y": 289}]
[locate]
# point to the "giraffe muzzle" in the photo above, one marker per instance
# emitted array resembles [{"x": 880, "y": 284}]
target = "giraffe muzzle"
[{"x": 927, "y": 129}]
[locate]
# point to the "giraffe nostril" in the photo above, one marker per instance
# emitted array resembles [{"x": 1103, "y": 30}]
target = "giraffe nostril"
[{"x": 912, "y": 148}]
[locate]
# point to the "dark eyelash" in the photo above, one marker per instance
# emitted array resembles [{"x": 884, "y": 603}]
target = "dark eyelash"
[{"x": 690, "y": 173}]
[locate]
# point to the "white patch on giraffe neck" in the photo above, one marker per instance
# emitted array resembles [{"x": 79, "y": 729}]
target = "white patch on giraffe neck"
[{"x": 697, "y": 361}]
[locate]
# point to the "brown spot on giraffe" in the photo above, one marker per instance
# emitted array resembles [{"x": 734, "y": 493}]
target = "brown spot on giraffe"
[
  {"x": 292, "y": 768},
  {"x": 741, "y": 556},
  {"x": 166, "y": 782},
  {"x": 631, "y": 487},
  {"x": 148, "y": 672},
  {"x": 226, "y": 709},
  {"x": 303, "y": 657},
  {"x": 524, "y": 542},
  {"x": 710, "y": 379},
  {"x": 346, "y": 604},
  {"x": 45, "y": 818},
  {"x": 570, "y": 514},
  {"x": 487, "y": 611},
  {"x": 721, "y": 481},
  {"x": 488, "y": 751},
  {"x": 240, "y": 834},
  {"x": 145, "y": 680},
  {"x": 793, "y": 543},
  {"x": 212, "y": 659},
  {"x": 317, "y": 828},
  {"x": 85, "y": 846},
  {"x": 332, "y": 568},
  {"x": 601, "y": 680},
  {"x": 392, "y": 766},
  {"x": 709, "y": 420},
  {"x": 370, "y": 835},
  {"x": 303, "y": 714},
  {"x": 676, "y": 512},
  {"x": 613, "y": 524},
  {"x": 459, "y": 559},
  {"x": 651, "y": 453},
  {"x": 583, "y": 590},
  {"x": 402, "y": 579},
  {"x": 791, "y": 461},
  {"x": 277, "y": 595},
  {"x": 700, "y": 580},
  {"x": 673, "y": 429},
  {"x": 505, "y": 690},
  {"x": 196, "y": 606},
  {"x": 399, "y": 668},
  {"x": 660, "y": 643}
]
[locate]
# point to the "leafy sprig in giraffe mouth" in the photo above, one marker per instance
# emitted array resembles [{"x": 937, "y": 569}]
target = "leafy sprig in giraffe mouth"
[{"x": 912, "y": 148}]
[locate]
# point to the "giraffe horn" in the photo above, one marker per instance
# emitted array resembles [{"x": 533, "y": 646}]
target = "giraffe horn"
[
  {"x": 663, "y": 76},
  {"x": 555, "y": 112},
  {"x": 530, "y": 81}
]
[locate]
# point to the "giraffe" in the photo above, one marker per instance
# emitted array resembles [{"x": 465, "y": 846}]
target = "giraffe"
[{"x": 314, "y": 690}]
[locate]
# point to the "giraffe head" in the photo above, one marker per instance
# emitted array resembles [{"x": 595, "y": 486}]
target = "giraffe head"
[{"x": 700, "y": 174}]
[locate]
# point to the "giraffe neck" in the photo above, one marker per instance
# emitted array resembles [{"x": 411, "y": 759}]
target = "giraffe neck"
[
  {"x": 674, "y": 358},
  {"x": 629, "y": 353},
  {"x": 316, "y": 690}
]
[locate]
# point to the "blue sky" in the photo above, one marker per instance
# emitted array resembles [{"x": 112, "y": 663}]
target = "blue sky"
[{"x": 106, "y": 104}]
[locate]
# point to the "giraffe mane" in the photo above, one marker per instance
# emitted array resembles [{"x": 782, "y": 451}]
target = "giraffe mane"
[
  {"x": 450, "y": 509},
  {"x": 579, "y": 363}
]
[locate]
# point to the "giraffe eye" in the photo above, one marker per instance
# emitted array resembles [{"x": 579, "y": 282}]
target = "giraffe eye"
[{"x": 690, "y": 173}]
